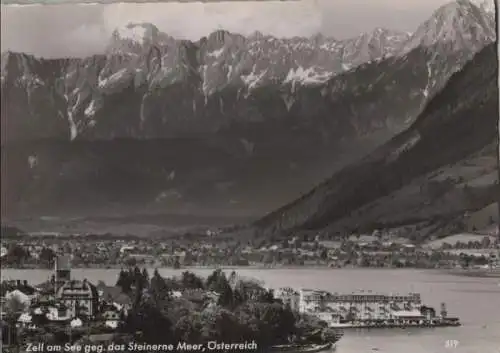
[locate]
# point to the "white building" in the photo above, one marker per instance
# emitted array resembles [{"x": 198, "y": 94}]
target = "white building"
[
  {"x": 289, "y": 296},
  {"x": 59, "y": 313},
  {"x": 19, "y": 296},
  {"x": 358, "y": 306},
  {"x": 80, "y": 297}
]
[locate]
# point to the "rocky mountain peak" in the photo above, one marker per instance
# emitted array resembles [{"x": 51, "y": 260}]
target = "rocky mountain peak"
[
  {"x": 485, "y": 5},
  {"x": 460, "y": 24},
  {"x": 220, "y": 36},
  {"x": 257, "y": 117},
  {"x": 133, "y": 36},
  {"x": 227, "y": 68},
  {"x": 369, "y": 46}
]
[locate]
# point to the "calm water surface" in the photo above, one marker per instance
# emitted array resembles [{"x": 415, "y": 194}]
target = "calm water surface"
[{"x": 475, "y": 300}]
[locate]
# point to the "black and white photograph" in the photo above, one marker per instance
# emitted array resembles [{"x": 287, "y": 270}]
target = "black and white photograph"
[{"x": 307, "y": 176}]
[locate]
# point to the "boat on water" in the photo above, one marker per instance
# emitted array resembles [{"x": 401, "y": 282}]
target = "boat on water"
[{"x": 304, "y": 348}]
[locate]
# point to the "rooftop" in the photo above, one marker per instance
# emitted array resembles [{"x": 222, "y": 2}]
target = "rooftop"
[{"x": 407, "y": 313}]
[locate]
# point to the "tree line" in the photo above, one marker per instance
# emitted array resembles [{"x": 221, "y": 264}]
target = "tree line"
[{"x": 242, "y": 311}]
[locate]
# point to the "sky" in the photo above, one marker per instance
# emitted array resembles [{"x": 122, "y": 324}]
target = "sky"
[{"x": 80, "y": 30}]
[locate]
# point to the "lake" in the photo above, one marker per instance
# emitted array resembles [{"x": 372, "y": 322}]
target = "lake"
[{"x": 475, "y": 300}]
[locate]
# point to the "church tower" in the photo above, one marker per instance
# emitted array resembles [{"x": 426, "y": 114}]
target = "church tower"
[{"x": 62, "y": 269}]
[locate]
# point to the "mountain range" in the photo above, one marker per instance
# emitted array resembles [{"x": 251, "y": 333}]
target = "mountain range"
[
  {"x": 219, "y": 77},
  {"x": 228, "y": 123},
  {"x": 431, "y": 175}
]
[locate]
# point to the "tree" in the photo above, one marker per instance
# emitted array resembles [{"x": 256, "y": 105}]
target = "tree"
[
  {"x": 226, "y": 297},
  {"x": 159, "y": 289},
  {"x": 266, "y": 296},
  {"x": 280, "y": 321},
  {"x": 17, "y": 254},
  {"x": 124, "y": 281},
  {"x": 131, "y": 261},
  {"x": 138, "y": 285},
  {"x": 267, "y": 323},
  {"x": 247, "y": 312},
  {"x": 486, "y": 242},
  {"x": 233, "y": 277},
  {"x": 217, "y": 282},
  {"x": 191, "y": 281},
  {"x": 324, "y": 254},
  {"x": 47, "y": 256},
  {"x": 188, "y": 328},
  {"x": 137, "y": 276},
  {"x": 145, "y": 278},
  {"x": 149, "y": 324},
  {"x": 221, "y": 324},
  {"x": 177, "y": 263},
  {"x": 212, "y": 280}
]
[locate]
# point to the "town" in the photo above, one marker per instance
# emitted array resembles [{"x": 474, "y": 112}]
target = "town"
[
  {"x": 211, "y": 249},
  {"x": 68, "y": 313},
  {"x": 152, "y": 311}
]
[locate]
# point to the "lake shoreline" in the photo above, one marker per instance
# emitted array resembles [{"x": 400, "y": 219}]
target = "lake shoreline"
[
  {"x": 473, "y": 300},
  {"x": 226, "y": 267}
]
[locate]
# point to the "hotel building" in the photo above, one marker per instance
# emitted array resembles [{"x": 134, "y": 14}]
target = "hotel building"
[{"x": 359, "y": 306}]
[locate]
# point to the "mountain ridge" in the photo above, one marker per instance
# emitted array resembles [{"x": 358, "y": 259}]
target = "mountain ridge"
[
  {"x": 66, "y": 123},
  {"x": 221, "y": 64},
  {"x": 397, "y": 163}
]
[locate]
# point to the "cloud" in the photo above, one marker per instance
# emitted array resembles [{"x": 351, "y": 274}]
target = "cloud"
[
  {"x": 346, "y": 18},
  {"x": 51, "y": 30},
  {"x": 79, "y": 30},
  {"x": 195, "y": 20},
  {"x": 86, "y": 39},
  {"x": 76, "y": 30}
]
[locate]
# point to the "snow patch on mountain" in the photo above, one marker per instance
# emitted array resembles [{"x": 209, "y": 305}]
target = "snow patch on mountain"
[
  {"x": 288, "y": 100},
  {"x": 134, "y": 33},
  {"x": 307, "y": 76},
  {"x": 222, "y": 56},
  {"x": 137, "y": 33},
  {"x": 346, "y": 67},
  {"x": 216, "y": 53},
  {"x": 73, "y": 128},
  {"x": 486, "y": 5},
  {"x": 91, "y": 109},
  {"x": 32, "y": 161},
  {"x": 251, "y": 80},
  {"x": 113, "y": 79},
  {"x": 429, "y": 77}
]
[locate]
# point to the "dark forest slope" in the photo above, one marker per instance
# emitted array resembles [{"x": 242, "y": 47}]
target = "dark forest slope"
[{"x": 435, "y": 171}]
